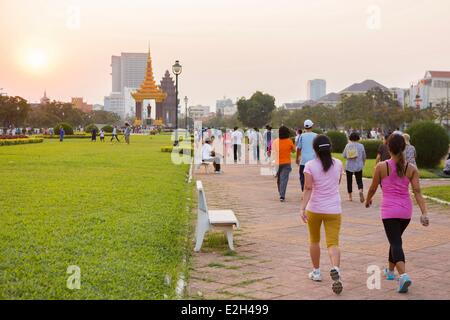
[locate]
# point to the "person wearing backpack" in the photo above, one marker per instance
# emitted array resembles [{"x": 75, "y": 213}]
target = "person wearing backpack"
[{"x": 355, "y": 154}]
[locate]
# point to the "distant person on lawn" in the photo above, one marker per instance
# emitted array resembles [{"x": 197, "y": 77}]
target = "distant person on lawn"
[
  {"x": 447, "y": 166},
  {"x": 355, "y": 154},
  {"x": 305, "y": 150},
  {"x": 102, "y": 135},
  {"x": 114, "y": 134},
  {"x": 94, "y": 135},
  {"x": 282, "y": 149},
  {"x": 62, "y": 133},
  {"x": 127, "y": 132}
]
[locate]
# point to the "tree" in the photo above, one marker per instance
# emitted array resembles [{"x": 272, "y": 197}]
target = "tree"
[
  {"x": 256, "y": 111},
  {"x": 442, "y": 111},
  {"x": 13, "y": 111}
]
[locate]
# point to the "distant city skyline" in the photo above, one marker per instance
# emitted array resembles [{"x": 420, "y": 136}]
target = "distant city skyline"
[{"x": 227, "y": 48}]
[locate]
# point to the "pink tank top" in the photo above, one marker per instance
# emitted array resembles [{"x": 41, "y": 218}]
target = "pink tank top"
[{"x": 396, "y": 202}]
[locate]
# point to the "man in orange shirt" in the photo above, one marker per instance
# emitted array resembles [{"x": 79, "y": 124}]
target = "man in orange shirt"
[{"x": 282, "y": 148}]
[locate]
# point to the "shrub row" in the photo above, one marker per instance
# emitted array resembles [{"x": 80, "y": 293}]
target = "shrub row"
[
  {"x": 12, "y": 142},
  {"x": 5, "y": 137},
  {"x": 181, "y": 150}
]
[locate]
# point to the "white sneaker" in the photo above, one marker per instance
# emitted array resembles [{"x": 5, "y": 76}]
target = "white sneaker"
[{"x": 314, "y": 276}]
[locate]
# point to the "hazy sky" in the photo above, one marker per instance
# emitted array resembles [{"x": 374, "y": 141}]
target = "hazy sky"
[{"x": 226, "y": 47}]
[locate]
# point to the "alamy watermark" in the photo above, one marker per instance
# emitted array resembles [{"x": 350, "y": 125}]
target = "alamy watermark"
[
  {"x": 74, "y": 280},
  {"x": 373, "y": 21}
]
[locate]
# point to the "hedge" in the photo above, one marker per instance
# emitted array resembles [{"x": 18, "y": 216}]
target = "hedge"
[
  {"x": 431, "y": 142},
  {"x": 338, "y": 140},
  {"x": 67, "y": 128},
  {"x": 12, "y": 142},
  {"x": 108, "y": 129},
  {"x": 371, "y": 147},
  {"x": 89, "y": 128},
  {"x": 5, "y": 137},
  {"x": 170, "y": 149}
]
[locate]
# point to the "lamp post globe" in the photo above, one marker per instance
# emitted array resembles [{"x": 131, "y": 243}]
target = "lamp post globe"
[{"x": 176, "y": 69}]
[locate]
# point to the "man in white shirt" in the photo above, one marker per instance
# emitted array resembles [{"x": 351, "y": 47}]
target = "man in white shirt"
[
  {"x": 209, "y": 156},
  {"x": 236, "y": 138}
]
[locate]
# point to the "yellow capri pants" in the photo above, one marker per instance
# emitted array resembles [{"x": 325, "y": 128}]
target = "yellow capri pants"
[{"x": 332, "y": 223}]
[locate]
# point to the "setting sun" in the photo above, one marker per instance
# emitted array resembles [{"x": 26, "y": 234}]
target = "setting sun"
[{"x": 36, "y": 59}]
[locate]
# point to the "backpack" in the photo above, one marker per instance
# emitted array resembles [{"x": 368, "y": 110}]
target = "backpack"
[{"x": 352, "y": 151}]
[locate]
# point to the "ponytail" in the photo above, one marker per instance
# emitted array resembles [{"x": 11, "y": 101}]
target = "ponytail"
[{"x": 400, "y": 165}]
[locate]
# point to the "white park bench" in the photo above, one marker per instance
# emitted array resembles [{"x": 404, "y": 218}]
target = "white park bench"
[{"x": 213, "y": 219}]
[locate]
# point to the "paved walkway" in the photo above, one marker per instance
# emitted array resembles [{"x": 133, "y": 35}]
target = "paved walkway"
[{"x": 272, "y": 257}]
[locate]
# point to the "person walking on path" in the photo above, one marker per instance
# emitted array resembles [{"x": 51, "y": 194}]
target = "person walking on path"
[
  {"x": 62, "y": 133},
  {"x": 114, "y": 134},
  {"x": 127, "y": 132},
  {"x": 305, "y": 150},
  {"x": 282, "y": 148},
  {"x": 255, "y": 140},
  {"x": 395, "y": 175},
  {"x": 355, "y": 154},
  {"x": 298, "y": 134},
  {"x": 322, "y": 204},
  {"x": 383, "y": 150},
  {"x": 236, "y": 138},
  {"x": 102, "y": 135},
  {"x": 410, "y": 151},
  {"x": 268, "y": 141}
]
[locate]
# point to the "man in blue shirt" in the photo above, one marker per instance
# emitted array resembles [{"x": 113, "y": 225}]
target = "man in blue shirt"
[{"x": 305, "y": 149}]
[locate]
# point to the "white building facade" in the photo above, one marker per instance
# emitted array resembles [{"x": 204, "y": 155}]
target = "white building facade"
[{"x": 433, "y": 89}]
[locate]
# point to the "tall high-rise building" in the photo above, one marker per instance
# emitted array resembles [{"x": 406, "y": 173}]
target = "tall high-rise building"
[
  {"x": 317, "y": 88},
  {"x": 128, "y": 72}
]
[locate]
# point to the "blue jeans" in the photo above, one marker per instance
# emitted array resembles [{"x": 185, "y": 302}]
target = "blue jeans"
[{"x": 283, "y": 173}]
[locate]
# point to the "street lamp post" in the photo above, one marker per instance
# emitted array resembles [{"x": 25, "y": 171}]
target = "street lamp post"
[{"x": 176, "y": 69}]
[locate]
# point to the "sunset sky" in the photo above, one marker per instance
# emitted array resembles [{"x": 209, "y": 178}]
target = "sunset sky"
[{"x": 226, "y": 47}]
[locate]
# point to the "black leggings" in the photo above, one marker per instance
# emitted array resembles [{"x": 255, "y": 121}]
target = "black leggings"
[
  {"x": 358, "y": 177},
  {"x": 394, "y": 230}
]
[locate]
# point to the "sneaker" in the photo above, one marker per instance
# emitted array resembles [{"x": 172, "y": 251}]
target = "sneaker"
[
  {"x": 405, "y": 283},
  {"x": 337, "y": 284},
  {"x": 390, "y": 275},
  {"x": 314, "y": 276},
  {"x": 282, "y": 199}
]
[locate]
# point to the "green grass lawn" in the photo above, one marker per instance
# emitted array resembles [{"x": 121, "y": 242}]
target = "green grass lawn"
[
  {"x": 370, "y": 166},
  {"x": 116, "y": 211},
  {"x": 441, "y": 192}
]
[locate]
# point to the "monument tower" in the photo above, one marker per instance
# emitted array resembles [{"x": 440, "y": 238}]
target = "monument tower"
[{"x": 147, "y": 91}]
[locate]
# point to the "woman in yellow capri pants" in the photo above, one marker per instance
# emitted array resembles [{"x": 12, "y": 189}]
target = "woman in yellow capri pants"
[{"x": 322, "y": 204}]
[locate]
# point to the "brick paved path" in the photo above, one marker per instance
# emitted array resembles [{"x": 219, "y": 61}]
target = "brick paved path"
[{"x": 272, "y": 257}]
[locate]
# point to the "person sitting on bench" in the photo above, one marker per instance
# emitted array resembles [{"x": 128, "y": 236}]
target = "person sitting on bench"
[{"x": 208, "y": 155}]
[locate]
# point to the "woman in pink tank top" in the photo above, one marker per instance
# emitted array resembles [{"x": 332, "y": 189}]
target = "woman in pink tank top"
[{"x": 395, "y": 176}]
